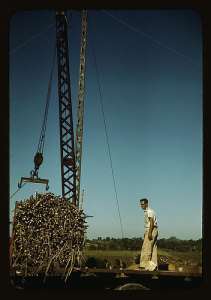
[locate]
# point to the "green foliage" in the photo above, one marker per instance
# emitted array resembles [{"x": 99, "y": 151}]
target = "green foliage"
[
  {"x": 180, "y": 245},
  {"x": 92, "y": 247},
  {"x": 136, "y": 243}
]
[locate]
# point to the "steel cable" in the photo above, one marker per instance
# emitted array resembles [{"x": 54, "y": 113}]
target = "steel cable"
[
  {"x": 18, "y": 190},
  {"x": 149, "y": 37},
  {"x": 42, "y": 134},
  {"x": 35, "y": 36},
  {"x": 106, "y": 132}
]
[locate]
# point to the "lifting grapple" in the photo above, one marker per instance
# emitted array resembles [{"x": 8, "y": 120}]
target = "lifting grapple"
[{"x": 38, "y": 159}]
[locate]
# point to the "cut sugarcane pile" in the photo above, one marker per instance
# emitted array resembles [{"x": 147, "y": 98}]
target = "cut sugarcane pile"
[
  {"x": 166, "y": 260},
  {"x": 49, "y": 231}
]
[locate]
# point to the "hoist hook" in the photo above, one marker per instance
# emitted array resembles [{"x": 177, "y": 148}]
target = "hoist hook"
[{"x": 38, "y": 159}]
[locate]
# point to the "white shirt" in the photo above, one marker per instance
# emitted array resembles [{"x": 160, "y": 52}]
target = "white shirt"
[{"x": 149, "y": 213}]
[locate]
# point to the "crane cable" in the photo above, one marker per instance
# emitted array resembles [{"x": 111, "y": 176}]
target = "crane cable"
[
  {"x": 38, "y": 159},
  {"x": 104, "y": 120},
  {"x": 42, "y": 135},
  {"x": 131, "y": 27},
  {"x": 149, "y": 37},
  {"x": 18, "y": 190},
  {"x": 35, "y": 36}
]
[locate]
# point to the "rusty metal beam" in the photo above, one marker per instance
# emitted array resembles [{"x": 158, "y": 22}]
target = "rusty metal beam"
[
  {"x": 65, "y": 110},
  {"x": 80, "y": 109}
]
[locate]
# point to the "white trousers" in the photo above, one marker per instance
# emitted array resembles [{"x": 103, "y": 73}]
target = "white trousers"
[{"x": 149, "y": 248}]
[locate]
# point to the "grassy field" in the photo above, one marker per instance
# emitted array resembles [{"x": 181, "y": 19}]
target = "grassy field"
[
  {"x": 184, "y": 256},
  {"x": 127, "y": 256}
]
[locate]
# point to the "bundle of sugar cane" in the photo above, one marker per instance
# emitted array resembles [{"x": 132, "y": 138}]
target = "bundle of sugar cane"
[{"x": 49, "y": 231}]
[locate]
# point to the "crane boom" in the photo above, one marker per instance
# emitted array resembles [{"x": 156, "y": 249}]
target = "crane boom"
[
  {"x": 70, "y": 156},
  {"x": 65, "y": 110},
  {"x": 80, "y": 109}
]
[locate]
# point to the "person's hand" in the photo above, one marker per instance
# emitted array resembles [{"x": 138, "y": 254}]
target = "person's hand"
[{"x": 149, "y": 236}]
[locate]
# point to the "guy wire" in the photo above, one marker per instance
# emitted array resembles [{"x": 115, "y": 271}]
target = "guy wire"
[{"x": 101, "y": 100}]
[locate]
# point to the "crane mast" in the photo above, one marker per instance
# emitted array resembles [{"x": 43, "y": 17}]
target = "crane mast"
[
  {"x": 80, "y": 109},
  {"x": 70, "y": 157},
  {"x": 65, "y": 110}
]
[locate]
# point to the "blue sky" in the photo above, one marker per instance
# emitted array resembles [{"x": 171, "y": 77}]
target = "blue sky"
[{"x": 152, "y": 99}]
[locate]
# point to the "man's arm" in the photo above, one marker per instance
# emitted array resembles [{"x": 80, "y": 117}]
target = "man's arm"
[{"x": 150, "y": 229}]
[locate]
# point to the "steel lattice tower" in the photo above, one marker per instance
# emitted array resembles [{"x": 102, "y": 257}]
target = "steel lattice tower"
[
  {"x": 80, "y": 109},
  {"x": 65, "y": 110}
]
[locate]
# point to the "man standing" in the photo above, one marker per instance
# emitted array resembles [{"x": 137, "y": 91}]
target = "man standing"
[{"x": 148, "y": 259}]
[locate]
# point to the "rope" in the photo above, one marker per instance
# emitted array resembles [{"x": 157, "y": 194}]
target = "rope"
[
  {"x": 105, "y": 128},
  {"x": 18, "y": 190},
  {"x": 149, "y": 37}
]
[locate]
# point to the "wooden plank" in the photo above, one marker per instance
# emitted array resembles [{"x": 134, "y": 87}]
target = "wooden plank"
[
  {"x": 127, "y": 272},
  {"x": 184, "y": 268},
  {"x": 163, "y": 273},
  {"x": 142, "y": 272},
  {"x": 95, "y": 270},
  {"x": 192, "y": 269}
]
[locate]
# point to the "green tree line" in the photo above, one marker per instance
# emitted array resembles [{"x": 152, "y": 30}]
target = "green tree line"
[{"x": 136, "y": 243}]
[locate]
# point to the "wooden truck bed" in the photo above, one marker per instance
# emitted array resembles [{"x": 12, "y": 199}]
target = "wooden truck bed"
[{"x": 109, "y": 279}]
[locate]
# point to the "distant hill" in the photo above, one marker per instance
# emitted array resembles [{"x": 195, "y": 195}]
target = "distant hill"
[
  {"x": 173, "y": 238},
  {"x": 180, "y": 245}
]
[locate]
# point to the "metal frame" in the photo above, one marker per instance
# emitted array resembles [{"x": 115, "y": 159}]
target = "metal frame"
[
  {"x": 35, "y": 180},
  {"x": 80, "y": 109},
  {"x": 65, "y": 110}
]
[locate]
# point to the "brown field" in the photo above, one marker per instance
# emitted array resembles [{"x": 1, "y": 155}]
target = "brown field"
[{"x": 127, "y": 256}]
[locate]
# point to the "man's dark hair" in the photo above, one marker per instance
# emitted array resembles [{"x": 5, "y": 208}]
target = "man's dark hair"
[{"x": 145, "y": 200}]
